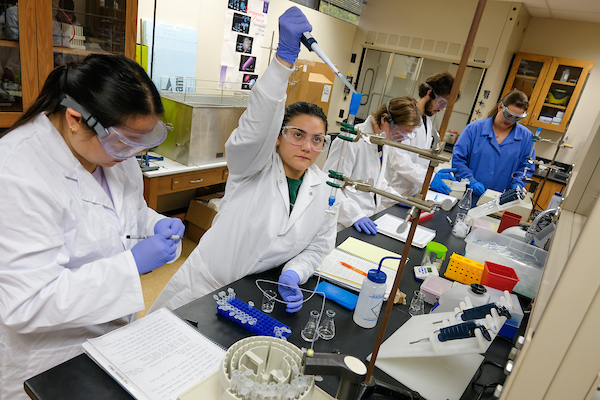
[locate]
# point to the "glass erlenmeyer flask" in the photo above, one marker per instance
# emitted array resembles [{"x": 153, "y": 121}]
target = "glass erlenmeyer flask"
[{"x": 465, "y": 202}]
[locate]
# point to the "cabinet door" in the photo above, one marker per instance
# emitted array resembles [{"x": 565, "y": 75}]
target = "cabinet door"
[
  {"x": 18, "y": 77},
  {"x": 527, "y": 74},
  {"x": 560, "y": 93}
]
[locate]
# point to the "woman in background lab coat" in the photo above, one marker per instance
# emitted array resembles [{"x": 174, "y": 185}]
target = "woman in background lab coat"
[
  {"x": 367, "y": 162},
  {"x": 72, "y": 194},
  {"x": 264, "y": 220}
]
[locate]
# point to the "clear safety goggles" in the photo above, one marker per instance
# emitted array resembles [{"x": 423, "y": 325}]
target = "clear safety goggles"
[
  {"x": 402, "y": 132},
  {"x": 298, "y": 137},
  {"x": 512, "y": 116},
  {"x": 119, "y": 141},
  {"x": 440, "y": 102}
]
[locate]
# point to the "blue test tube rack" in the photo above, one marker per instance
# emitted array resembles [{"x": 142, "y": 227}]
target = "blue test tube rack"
[{"x": 264, "y": 326}]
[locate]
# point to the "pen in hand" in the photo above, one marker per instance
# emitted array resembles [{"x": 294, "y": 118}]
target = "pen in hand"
[
  {"x": 173, "y": 237},
  {"x": 353, "y": 268}
]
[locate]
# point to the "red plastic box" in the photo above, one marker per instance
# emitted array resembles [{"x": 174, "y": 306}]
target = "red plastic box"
[{"x": 498, "y": 276}]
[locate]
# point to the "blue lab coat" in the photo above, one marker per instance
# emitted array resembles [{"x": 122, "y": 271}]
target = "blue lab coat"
[{"x": 477, "y": 155}]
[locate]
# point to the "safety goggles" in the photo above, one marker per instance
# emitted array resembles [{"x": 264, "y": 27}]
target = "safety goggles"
[
  {"x": 440, "y": 101},
  {"x": 119, "y": 141},
  {"x": 511, "y": 116},
  {"x": 298, "y": 137},
  {"x": 402, "y": 132}
]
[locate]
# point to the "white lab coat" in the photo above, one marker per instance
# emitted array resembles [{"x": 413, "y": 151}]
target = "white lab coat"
[
  {"x": 254, "y": 230},
  {"x": 360, "y": 163},
  {"x": 66, "y": 274},
  {"x": 406, "y": 170}
]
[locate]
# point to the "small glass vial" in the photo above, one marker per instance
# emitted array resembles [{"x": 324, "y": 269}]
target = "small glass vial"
[
  {"x": 465, "y": 202},
  {"x": 309, "y": 333},
  {"x": 370, "y": 299},
  {"x": 327, "y": 327},
  {"x": 417, "y": 304}
]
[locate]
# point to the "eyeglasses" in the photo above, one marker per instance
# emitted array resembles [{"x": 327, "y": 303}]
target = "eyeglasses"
[
  {"x": 298, "y": 137},
  {"x": 119, "y": 141},
  {"x": 510, "y": 115}
]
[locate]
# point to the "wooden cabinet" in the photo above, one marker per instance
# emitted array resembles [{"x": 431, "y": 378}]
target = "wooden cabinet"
[
  {"x": 548, "y": 191},
  {"x": 28, "y": 55},
  {"x": 553, "y": 85},
  {"x": 178, "y": 182}
]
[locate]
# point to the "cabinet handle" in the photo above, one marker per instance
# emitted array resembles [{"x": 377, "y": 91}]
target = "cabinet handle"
[{"x": 197, "y": 181}]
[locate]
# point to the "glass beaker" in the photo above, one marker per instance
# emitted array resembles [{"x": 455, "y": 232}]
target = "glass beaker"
[
  {"x": 462, "y": 225},
  {"x": 327, "y": 327},
  {"x": 268, "y": 301},
  {"x": 309, "y": 332},
  {"x": 417, "y": 304},
  {"x": 465, "y": 202}
]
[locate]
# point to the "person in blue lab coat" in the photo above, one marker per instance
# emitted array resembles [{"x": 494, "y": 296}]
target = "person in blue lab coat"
[{"x": 492, "y": 153}]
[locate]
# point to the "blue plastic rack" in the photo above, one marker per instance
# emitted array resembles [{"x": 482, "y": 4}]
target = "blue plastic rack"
[{"x": 265, "y": 325}]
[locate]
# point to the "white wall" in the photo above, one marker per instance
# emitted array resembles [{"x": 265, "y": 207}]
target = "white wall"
[{"x": 208, "y": 18}]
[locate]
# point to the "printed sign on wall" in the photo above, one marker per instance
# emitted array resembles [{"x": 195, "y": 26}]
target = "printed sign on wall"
[{"x": 244, "y": 34}]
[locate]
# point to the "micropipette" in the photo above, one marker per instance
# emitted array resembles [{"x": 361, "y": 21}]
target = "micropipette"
[{"x": 311, "y": 44}]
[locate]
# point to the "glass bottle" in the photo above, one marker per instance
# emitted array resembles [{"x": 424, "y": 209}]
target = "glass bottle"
[
  {"x": 327, "y": 327},
  {"x": 465, "y": 202},
  {"x": 309, "y": 332}
]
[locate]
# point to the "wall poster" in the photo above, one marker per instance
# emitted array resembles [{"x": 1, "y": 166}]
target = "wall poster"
[{"x": 243, "y": 37}]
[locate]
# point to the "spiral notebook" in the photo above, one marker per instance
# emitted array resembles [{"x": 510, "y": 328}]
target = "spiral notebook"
[
  {"x": 362, "y": 256},
  {"x": 156, "y": 357}
]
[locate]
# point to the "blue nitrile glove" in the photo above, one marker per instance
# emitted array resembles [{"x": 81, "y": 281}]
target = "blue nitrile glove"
[
  {"x": 292, "y": 24},
  {"x": 439, "y": 185},
  {"x": 516, "y": 185},
  {"x": 366, "y": 225},
  {"x": 478, "y": 188},
  {"x": 447, "y": 174},
  {"x": 291, "y": 293},
  {"x": 155, "y": 251},
  {"x": 173, "y": 225}
]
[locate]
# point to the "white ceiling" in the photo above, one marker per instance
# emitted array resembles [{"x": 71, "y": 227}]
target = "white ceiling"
[{"x": 574, "y": 10}]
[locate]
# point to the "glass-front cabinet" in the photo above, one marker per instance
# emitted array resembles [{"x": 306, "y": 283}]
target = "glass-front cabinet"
[
  {"x": 58, "y": 32},
  {"x": 553, "y": 86}
]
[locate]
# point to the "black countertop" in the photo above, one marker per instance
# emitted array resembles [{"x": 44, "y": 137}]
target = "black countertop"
[{"x": 81, "y": 375}]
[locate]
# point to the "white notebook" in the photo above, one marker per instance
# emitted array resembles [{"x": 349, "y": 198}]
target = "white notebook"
[
  {"x": 156, "y": 357},
  {"x": 388, "y": 224},
  {"x": 361, "y": 255}
]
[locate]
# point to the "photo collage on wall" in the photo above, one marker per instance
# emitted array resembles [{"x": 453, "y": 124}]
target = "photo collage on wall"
[{"x": 245, "y": 25}]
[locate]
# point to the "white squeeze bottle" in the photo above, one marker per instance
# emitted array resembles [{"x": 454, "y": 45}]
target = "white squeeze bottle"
[{"x": 370, "y": 299}]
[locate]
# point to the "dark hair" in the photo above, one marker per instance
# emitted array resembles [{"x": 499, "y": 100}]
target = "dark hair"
[
  {"x": 515, "y": 98},
  {"x": 441, "y": 83},
  {"x": 112, "y": 88},
  {"x": 303, "y": 108},
  {"x": 404, "y": 111}
]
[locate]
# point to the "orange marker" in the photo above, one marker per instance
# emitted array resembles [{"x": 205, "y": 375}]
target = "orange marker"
[{"x": 353, "y": 269}]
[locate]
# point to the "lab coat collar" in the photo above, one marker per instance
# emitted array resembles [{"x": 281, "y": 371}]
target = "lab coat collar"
[
  {"x": 306, "y": 194},
  {"x": 67, "y": 164},
  {"x": 514, "y": 135}
]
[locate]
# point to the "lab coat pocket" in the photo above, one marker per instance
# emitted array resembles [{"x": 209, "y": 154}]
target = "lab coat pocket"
[{"x": 43, "y": 359}]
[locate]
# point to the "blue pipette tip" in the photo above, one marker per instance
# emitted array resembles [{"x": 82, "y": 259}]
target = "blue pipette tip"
[
  {"x": 355, "y": 103},
  {"x": 331, "y": 200}
]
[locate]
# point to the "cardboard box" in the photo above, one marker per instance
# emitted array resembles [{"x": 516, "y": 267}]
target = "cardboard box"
[
  {"x": 313, "y": 83},
  {"x": 199, "y": 216}
]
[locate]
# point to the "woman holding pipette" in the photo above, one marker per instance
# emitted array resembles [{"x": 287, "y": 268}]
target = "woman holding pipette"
[
  {"x": 74, "y": 191},
  {"x": 396, "y": 120},
  {"x": 274, "y": 209}
]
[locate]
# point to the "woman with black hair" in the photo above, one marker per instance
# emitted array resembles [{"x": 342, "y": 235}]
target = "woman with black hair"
[
  {"x": 274, "y": 209},
  {"x": 72, "y": 193}
]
